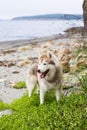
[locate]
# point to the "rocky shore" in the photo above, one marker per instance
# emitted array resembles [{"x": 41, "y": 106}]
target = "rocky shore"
[{"x": 15, "y": 57}]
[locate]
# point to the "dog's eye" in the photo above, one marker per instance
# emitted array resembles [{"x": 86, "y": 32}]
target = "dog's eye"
[{"x": 44, "y": 63}]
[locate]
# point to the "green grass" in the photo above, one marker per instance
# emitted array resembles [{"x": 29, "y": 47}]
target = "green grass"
[
  {"x": 20, "y": 85},
  {"x": 80, "y": 50},
  {"x": 68, "y": 114},
  {"x": 3, "y": 106},
  {"x": 83, "y": 81}
]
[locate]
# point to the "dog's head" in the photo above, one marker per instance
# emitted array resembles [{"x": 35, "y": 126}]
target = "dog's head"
[{"x": 45, "y": 66}]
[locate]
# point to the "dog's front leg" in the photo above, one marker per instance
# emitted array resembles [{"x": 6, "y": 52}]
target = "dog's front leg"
[
  {"x": 58, "y": 94},
  {"x": 42, "y": 95},
  {"x": 38, "y": 89},
  {"x": 30, "y": 89}
]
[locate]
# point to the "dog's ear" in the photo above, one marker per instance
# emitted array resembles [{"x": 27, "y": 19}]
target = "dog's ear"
[
  {"x": 49, "y": 55},
  {"x": 52, "y": 62}
]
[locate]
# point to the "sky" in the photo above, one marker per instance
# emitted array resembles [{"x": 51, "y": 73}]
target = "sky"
[{"x": 14, "y": 8}]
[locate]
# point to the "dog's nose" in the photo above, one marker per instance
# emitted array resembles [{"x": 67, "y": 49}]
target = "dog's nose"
[{"x": 38, "y": 71}]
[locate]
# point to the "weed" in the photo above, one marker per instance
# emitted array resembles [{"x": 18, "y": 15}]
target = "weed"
[
  {"x": 3, "y": 106},
  {"x": 20, "y": 85}
]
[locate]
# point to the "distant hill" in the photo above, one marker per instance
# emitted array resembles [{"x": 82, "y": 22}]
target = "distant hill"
[{"x": 50, "y": 17}]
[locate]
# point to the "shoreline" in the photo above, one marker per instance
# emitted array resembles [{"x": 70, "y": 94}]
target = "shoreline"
[
  {"x": 71, "y": 33},
  {"x": 19, "y": 42}
]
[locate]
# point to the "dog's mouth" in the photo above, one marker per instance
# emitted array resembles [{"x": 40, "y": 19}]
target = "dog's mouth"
[{"x": 43, "y": 74}]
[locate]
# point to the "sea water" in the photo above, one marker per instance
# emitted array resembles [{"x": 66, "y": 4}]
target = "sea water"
[{"x": 31, "y": 29}]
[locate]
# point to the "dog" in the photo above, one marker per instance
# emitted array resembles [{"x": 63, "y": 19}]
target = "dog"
[{"x": 47, "y": 73}]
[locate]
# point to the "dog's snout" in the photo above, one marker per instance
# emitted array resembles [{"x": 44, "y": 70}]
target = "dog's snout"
[{"x": 38, "y": 71}]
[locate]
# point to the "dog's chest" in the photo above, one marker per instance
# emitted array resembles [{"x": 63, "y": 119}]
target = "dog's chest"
[{"x": 47, "y": 85}]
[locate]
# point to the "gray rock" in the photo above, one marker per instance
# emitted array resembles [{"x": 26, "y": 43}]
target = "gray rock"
[{"x": 5, "y": 112}]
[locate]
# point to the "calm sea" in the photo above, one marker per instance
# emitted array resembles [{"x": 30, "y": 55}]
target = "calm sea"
[{"x": 16, "y": 30}]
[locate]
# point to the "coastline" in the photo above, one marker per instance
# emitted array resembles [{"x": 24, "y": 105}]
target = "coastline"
[
  {"x": 71, "y": 33},
  {"x": 20, "y": 42}
]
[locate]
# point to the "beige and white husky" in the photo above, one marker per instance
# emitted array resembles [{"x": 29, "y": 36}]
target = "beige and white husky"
[{"x": 47, "y": 73}]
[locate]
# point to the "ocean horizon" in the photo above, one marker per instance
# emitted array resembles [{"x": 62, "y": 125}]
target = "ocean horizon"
[{"x": 32, "y": 29}]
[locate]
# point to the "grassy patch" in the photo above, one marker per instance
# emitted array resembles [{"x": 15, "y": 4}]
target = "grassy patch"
[
  {"x": 68, "y": 114},
  {"x": 3, "y": 106},
  {"x": 83, "y": 81},
  {"x": 20, "y": 85},
  {"x": 79, "y": 50}
]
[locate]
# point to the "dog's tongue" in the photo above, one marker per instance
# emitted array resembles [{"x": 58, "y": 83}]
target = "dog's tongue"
[{"x": 42, "y": 75}]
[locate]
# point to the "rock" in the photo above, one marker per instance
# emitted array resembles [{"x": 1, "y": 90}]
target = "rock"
[
  {"x": 8, "y": 94},
  {"x": 15, "y": 72},
  {"x": 7, "y": 63},
  {"x": 1, "y": 63},
  {"x": 7, "y": 52},
  {"x": 10, "y": 64},
  {"x": 64, "y": 57},
  {"x": 12, "y": 84},
  {"x": 65, "y": 66},
  {"x": 5, "y": 112},
  {"x": 64, "y": 54},
  {"x": 75, "y": 62},
  {"x": 51, "y": 42},
  {"x": 66, "y": 51},
  {"x": 3, "y": 80},
  {"x": 74, "y": 46},
  {"x": 74, "y": 30},
  {"x": 28, "y": 47},
  {"x": 46, "y": 46},
  {"x": 60, "y": 43},
  {"x": 73, "y": 65},
  {"x": 24, "y": 63},
  {"x": 73, "y": 68},
  {"x": 70, "y": 80},
  {"x": 82, "y": 62},
  {"x": 23, "y": 48}
]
